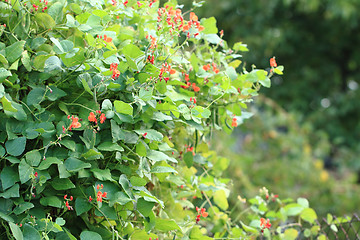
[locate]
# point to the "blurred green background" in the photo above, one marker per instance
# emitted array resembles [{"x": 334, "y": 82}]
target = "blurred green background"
[{"x": 303, "y": 138}]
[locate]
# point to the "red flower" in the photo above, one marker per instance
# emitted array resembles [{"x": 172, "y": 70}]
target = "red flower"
[
  {"x": 107, "y": 39},
  {"x": 273, "y": 62},
  {"x": 104, "y": 195},
  {"x": 207, "y": 67},
  {"x": 99, "y": 196},
  {"x": 92, "y": 117},
  {"x": 193, "y": 17},
  {"x": 102, "y": 118},
  {"x": 65, "y": 196},
  {"x": 201, "y": 212},
  {"x": 265, "y": 223},
  {"x": 126, "y": 2},
  {"x": 75, "y": 123},
  {"x": 195, "y": 88},
  {"x": 36, "y": 174},
  {"x": 90, "y": 199},
  {"x": 144, "y": 135},
  {"x": 234, "y": 122},
  {"x": 187, "y": 77}
]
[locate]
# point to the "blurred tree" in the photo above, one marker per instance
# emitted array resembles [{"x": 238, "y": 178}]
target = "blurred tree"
[{"x": 318, "y": 43}]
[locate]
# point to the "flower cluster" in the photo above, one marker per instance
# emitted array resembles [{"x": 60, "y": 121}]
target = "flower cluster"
[
  {"x": 106, "y": 38},
  {"x": 115, "y": 71},
  {"x": 234, "y": 122},
  {"x": 201, "y": 213},
  {"x": 264, "y": 224},
  {"x": 74, "y": 122},
  {"x": 207, "y": 67},
  {"x": 172, "y": 17},
  {"x": 166, "y": 68},
  {"x": 153, "y": 41},
  {"x": 194, "y": 21},
  {"x": 92, "y": 117},
  {"x": 67, "y": 202},
  {"x": 190, "y": 149},
  {"x": 100, "y": 195},
  {"x": 36, "y": 7}
]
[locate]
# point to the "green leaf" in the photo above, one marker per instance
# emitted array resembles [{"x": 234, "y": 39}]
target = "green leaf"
[
  {"x": 63, "y": 173},
  {"x": 18, "y": 235},
  {"x": 9, "y": 176},
  {"x": 290, "y": 234},
  {"x": 30, "y": 233},
  {"x": 125, "y": 184},
  {"x": 188, "y": 159},
  {"x": 16, "y": 146},
  {"x": 196, "y": 234},
  {"x": 122, "y": 107},
  {"x": 14, "y": 51},
  {"x": 45, "y": 20},
  {"x": 92, "y": 154},
  {"x": 144, "y": 207},
  {"x": 248, "y": 228},
  {"x": 109, "y": 146},
  {"x": 69, "y": 144},
  {"x": 102, "y": 174},
  {"x": 51, "y": 201},
  {"x": 88, "y": 235},
  {"x": 35, "y": 96},
  {"x": 151, "y": 134},
  {"x": 146, "y": 94},
  {"x": 309, "y": 215},
  {"x": 48, "y": 162},
  {"x": 7, "y": 105},
  {"x": 163, "y": 169},
  {"x": 221, "y": 200},
  {"x": 86, "y": 86},
  {"x": 33, "y": 158},
  {"x": 209, "y": 25},
  {"x": 74, "y": 165},
  {"x": 60, "y": 221},
  {"x": 25, "y": 170},
  {"x": 22, "y": 207},
  {"x": 293, "y": 209},
  {"x": 200, "y": 112},
  {"x": 55, "y": 11},
  {"x": 136, "y": 181},
  {"x": 132, "y": 51},
  {"x": 303, "y": 202},
  {"x": 53, "y": 66},
  {"x": 239, "y": 46},
  {"x": 266, "y": 82},
  {"x": 166, "y": 225},
  {"x": 13, "y": 192},
  {"x": 141, "y": 149},
  {"x": 119, "y": 197},
  {"x": 82, "y": 205},
  {"x": 62, "y": 184},
  {"x": 4, "y": 74},
  {"x": 279, "y": 70},
  {"x": 160, "y": 156}
]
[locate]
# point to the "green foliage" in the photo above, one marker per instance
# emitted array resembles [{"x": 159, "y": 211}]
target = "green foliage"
[
  {"x": 289, "y": 163},
  {"x": 106, "y": 115},
  {"x": 322, "y": 78}
]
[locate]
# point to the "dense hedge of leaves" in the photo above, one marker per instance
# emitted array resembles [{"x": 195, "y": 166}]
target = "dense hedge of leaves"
[{"x": 107, "y": 109}]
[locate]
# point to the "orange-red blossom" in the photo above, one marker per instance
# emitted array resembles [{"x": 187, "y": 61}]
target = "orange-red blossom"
[
  {"x": 265, "y": 223},
  {"x": 273, "y": 62}
]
